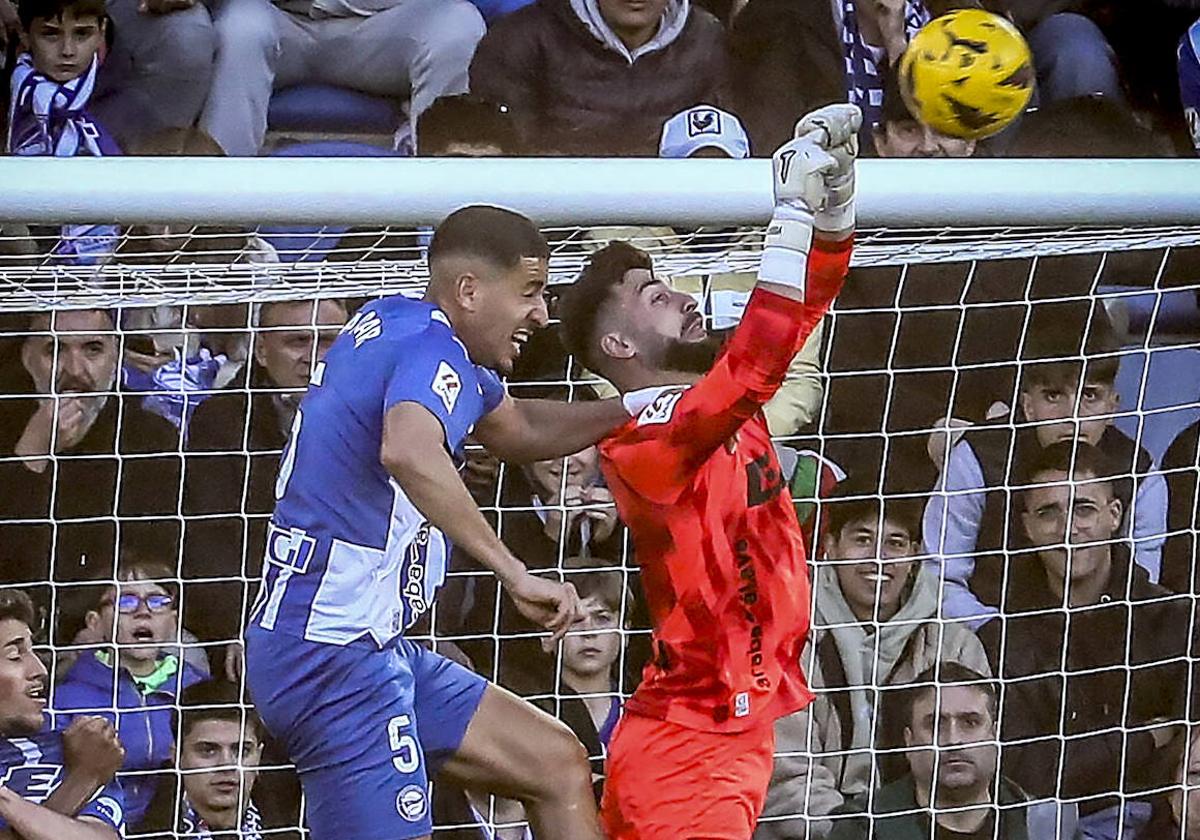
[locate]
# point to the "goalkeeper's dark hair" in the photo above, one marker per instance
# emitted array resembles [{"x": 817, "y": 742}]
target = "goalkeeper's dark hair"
[
  {"x": 583, "y": 303},
  {"x": 16, "y": 605},
  {"x": 948, "y": 674},
  {"x": 502, "y": 237},
  {"x": 216, "y": 700}
]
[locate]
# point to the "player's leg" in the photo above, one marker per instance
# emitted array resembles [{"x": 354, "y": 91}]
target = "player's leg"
[
  {"x": 345, "y": 717},
  {"x": 664, "y": 780},
  {"x": 483, "y": 738}
]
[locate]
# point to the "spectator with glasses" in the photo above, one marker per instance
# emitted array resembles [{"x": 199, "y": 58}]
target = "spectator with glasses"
[{"x": 137, "y": 622}]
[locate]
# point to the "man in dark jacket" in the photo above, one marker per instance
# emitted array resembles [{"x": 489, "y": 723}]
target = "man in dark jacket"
[
  {"x": 76, "y": 456},
  {"x": 1092, "y": 652},
  {"x": 600, "y": 76},
  {"x": 951, "y": 789}
]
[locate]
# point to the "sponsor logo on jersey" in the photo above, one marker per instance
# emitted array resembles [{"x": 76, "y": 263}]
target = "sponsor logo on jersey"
[
  {"x": 741, "y": 704},
  {"x": 108, "y": 808},
  {"x": 414, "y": 576},
  {"x": 447, "y": 385},
  {"x": 411, "y": 803},
  {"x": 661, "y": 409},
  {"x": 291, "y": 548},
  {"x": 763, "y": 481},
  {"x": 365, "y": 325},
  {"x": 34, "y": 782}
]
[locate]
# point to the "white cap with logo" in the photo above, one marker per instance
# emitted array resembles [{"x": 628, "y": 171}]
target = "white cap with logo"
[{"x": 703, "y": 127}]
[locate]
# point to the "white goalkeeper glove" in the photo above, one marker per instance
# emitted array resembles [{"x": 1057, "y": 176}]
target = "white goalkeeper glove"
[
  {"x": 814, "y": 189},
  {"x": 827, "y": 191}
]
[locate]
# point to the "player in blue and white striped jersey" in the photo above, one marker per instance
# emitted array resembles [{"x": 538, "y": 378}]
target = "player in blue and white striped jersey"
[
  {"x": 53, "y": 785},
  {"x": 370, "y": 500}
]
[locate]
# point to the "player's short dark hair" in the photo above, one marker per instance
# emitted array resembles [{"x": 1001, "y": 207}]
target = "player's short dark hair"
[
  {"x": 582, "y": 304},
  {"x": 854, "y": 500},
  {"x": 943, "y": 674},
  {"x": 1076, "y": 458},
  {"x": 16, "y": 605},
  {"x": 216, "y": 700},
  {"x": 30, "y": 10},
  {"x": 1058, "y": 334},
  {"x": 1091, "y": 126},
  {"x": 466, "y": 118},
  {"x": 502, "y": 237}
]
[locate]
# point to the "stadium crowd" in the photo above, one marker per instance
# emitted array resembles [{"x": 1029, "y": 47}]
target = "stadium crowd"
[{"x": 947, "y": 432}]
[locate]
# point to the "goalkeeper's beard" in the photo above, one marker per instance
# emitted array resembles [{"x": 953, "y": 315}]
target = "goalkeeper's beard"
[{"x": 691, "y": 356}]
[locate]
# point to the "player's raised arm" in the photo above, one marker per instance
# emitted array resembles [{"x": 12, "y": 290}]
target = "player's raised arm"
[{"x": 534, "y": 430}]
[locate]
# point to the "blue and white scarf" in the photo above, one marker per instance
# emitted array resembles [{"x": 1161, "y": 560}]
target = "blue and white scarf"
[
  {"x": 49, "y": 118},
  {"x": 46, "y": 117},
  {"x": 193, "y": 827},
  {"x": 864, "y": 79}
]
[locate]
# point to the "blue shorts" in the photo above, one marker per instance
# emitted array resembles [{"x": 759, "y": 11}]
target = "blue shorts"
[{"x": 366, "y": 727}]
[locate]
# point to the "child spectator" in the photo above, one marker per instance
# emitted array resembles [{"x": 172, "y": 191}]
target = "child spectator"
[
  {"x": 56, "y": 783},
  {"x": 967, "y": 527},
  {"x": 600, "y": 76},
  {"x": 582, "y": 682},
  {"x": 136, "y": 677},
  {"x": 219, "y": 751},
  {"x": 875, "y": 627},
  {"x": 467, "y": 125},
  {"x": 1093, "y": 655},
  {"x": 50, "y": 89}
]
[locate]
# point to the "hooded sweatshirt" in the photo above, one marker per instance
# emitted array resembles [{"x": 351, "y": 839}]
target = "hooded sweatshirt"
[
  {"x": 144, "y": 715},
  {"x": 575, "y": 88},
  {"x": 845, "y": 665}
]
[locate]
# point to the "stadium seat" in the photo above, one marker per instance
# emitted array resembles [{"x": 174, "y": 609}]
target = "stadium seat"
[
  {"x": 326, "y": 111},
  {"x": 309, "y": 243}
]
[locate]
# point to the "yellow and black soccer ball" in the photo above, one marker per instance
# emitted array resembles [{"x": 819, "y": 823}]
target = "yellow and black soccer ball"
[{"x": 968, "y": 74}]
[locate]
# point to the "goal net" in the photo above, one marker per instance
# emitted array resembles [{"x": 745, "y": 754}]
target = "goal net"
[{"x": 150, "y": 371}]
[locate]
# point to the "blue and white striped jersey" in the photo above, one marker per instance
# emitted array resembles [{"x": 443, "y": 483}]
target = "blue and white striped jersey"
[
  {"x": 349, "y": 557},
  {"x": 33, "y": 766}
]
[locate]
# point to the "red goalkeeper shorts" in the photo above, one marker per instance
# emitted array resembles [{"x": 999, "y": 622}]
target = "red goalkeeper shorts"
[{"x": 667, "y": 782}]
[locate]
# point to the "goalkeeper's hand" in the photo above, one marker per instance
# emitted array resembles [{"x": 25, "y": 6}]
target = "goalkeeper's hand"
[{"x": 814, "y": 172}]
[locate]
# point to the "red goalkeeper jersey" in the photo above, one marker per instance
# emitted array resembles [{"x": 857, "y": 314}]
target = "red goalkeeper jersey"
[{"x": 695, "y": 477}]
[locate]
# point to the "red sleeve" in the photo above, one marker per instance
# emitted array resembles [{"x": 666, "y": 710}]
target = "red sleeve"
[{"x": 677, "y": 433}]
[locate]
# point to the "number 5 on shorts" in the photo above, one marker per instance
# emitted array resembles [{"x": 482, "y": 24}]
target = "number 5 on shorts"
[{"x": 407, "y": 758}]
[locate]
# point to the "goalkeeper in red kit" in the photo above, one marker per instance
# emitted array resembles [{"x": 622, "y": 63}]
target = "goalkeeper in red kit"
[{"x": 696, "y": 480}]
